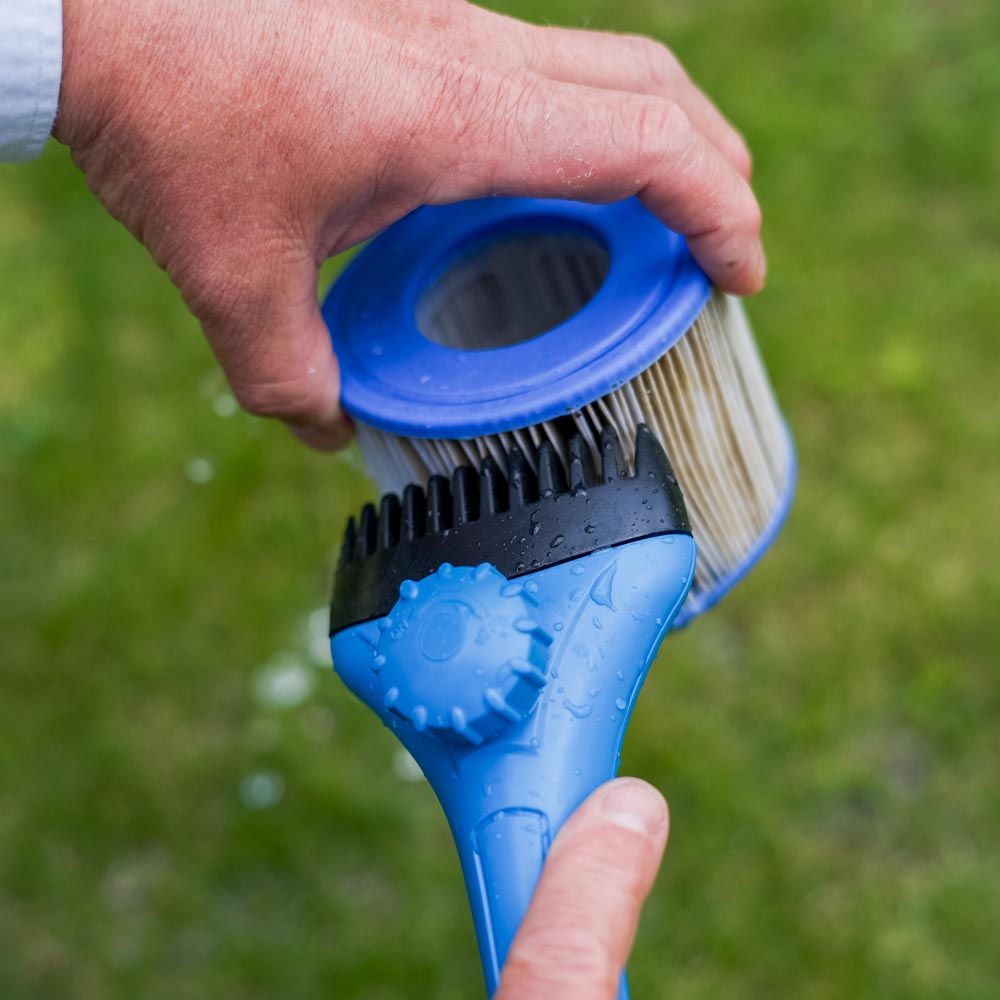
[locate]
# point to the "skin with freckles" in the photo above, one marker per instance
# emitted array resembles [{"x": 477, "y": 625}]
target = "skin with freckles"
[{"x": 245, "y": 141}]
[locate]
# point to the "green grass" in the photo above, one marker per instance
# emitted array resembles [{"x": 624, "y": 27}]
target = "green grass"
[{"x": 828, "y": 738}]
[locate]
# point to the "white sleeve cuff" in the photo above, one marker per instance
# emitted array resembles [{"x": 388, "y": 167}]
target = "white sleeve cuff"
[{"x": 30, "y": 72}]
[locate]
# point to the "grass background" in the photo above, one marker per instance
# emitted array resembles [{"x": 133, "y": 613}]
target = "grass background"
[{"x": 191, "y": 806}]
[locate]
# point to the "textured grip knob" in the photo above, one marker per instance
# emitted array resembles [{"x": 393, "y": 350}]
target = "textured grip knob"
[{"x": 460, "y": 655}]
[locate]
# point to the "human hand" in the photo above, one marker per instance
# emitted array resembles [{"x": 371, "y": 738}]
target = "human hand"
[
  {"x": 245, "y": 142},
  {"x": 576, "y": 936}
]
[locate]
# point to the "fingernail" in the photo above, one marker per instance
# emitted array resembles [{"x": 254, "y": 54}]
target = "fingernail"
[{"x": 636, "y": 806}]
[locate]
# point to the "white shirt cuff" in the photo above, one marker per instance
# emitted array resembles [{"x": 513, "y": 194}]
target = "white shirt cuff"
[{"x": 30, "y": 73}]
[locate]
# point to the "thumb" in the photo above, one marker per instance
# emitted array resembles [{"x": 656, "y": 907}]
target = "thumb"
[
  {"x": 577, "y": 935},
  {"x": 274, "y": 347}
]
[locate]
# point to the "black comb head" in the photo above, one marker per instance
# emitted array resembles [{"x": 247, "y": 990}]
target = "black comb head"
[{"x": 521, "y": 520}]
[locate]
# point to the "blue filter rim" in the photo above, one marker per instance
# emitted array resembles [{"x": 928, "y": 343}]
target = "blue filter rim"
[{"x": 399, "y": 381}]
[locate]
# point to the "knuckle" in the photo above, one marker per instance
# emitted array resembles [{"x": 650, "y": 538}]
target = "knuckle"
[
  {"x": 564, "y": 954},
  {"x": 656, "y": 62},
  {"x": 753, "y": 217},
  {"x": 743, "y": 156},
  {"x": 292, "y": 400},
  {"x": 663, "y": 133}
]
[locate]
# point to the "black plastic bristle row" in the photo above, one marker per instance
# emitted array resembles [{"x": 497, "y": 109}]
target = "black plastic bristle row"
[
  {"x": 521, "y": 519},
  {"x": 471, "y": 496}
]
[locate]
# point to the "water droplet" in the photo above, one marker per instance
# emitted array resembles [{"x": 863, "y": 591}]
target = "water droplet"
[
  {"x": 576, "y": 593},
  {"x": 557, "y": 627},
  {"x": 533, "y": 742},
  {"x": 620, "y": 704},
  {"x": 405, "y": 767},
  {"x": 424, "y": 379},
  {"x": 262, "y": 790},
  {"x": 600, "y": 592},
  {"x": 589, "y": 528},
  {"x": 531, "y": 587},
  {"x": 283, "y": 682},
  {"x": 225, "y": 405},
  {"x": 200, "y": 470},
  {"x": 596, "y": 622},
  {"x": 620, "y": 674},
  {"x": 317, "y": 642},
  {"x": 557, "y": 541},
  {"x": 578, "y": 711},
  {"x": 578, "y": 569}
]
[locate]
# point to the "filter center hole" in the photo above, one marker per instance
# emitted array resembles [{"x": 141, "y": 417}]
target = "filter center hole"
[{"x": 511, "y": 289}]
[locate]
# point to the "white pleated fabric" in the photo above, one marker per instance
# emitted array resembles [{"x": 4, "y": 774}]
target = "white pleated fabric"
[{"x": 708, "y": 401}]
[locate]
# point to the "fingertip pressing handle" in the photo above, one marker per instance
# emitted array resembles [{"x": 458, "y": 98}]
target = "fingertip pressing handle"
[{"x": 503, "y": 863}]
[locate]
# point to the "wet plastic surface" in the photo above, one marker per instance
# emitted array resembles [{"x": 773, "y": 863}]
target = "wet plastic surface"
[{"x": 514, "y": 698}]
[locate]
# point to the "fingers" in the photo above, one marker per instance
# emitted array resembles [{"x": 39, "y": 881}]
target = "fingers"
[
  {"x": 635, "y": 64},
  {"x": 551, "y": 139},
  {"x": 274, "y": 347},
  {"x": 575, "y": 939}
]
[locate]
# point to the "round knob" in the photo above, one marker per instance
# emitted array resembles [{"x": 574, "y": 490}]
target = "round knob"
[{"x": 460, "y": 655}]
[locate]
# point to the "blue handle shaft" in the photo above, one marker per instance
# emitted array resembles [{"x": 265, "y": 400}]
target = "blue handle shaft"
[{"x": 509, "y": 777}]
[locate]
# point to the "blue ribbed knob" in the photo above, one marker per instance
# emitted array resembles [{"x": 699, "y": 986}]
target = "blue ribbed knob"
[{"x": 460, "y": 655}]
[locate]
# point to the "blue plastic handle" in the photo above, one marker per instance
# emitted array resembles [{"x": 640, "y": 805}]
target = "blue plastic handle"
[{"x": 514, "y": 697}]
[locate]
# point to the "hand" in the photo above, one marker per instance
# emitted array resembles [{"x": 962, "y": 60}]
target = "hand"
[
  {"x": 245, "y": 142},
  {"x": 576, "y": 937}
]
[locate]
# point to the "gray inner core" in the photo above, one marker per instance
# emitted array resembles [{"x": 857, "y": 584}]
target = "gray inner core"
[{"x": 512, "y": 290}]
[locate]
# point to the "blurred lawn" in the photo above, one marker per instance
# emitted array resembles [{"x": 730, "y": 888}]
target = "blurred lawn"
[{"x": 828, "y": 738}]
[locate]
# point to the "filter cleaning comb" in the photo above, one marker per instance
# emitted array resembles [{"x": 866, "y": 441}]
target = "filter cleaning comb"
[{"x": 533, "y": 362}]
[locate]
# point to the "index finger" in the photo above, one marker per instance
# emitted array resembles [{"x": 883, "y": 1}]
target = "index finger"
[{"x": 541, "y": 138}]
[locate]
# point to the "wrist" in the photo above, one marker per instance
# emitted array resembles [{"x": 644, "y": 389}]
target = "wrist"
[{"x": 93, "y": 31}]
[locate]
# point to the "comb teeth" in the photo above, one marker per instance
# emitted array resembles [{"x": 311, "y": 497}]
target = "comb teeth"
[
  {"x": 414, "y": 521},
  {"x": 493, "y": 497},
  {"x": 465, "y": 494},
  {"x": 581, "y": 470},
  {"x": 551, "y": 474},
  {"x": 367, "y": 531},
  {"x": 521, "y": 479},
  {"x": 471, "y": 496},
  {"x": 349, "y": 550},
  {"x": 612, "y": 458},
  {"x": 389, "y": 521},
  {"x": 438, "y": 504}
]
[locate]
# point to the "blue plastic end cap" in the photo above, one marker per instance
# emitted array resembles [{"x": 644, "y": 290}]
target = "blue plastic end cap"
[{"x": 396, "y": 379}]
